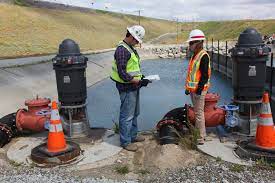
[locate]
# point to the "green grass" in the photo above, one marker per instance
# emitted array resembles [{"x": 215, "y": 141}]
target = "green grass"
[
  {"x": 189, "y": 141},
  {"x": 237, "y": 168},
  {"x": 219, "y": 159},
  {"x": 143, "y": 171},
  {"x": 225, "y": 30},
  {"x": 263, "y": 164},
  {"x": 124, "y": 169},
  {"x": 20, "y": 2},
  {"x": 115, "y": 127},
  {"x": 228, "y": 30},
  {"x": 15, "y": 164},
  {"x": 30, "y": 30},
  {"x": 34, "y": 31}
]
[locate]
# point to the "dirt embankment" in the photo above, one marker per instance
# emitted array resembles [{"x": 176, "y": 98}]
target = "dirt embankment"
[{"x": 92, "y": 30}]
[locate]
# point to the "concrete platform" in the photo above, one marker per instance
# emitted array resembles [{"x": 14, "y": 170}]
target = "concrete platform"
[
  {"x": 225, "y": 151},
  {"x": 97, "y": 150}
]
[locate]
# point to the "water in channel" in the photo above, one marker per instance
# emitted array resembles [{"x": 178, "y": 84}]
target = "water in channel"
[{"x": 156, "y": 99}]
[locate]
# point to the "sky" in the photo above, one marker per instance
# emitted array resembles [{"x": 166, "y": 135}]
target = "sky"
[{"x": 184, "y": 10}]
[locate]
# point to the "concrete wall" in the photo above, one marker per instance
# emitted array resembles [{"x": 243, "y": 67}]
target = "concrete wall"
[{"x": 25, "y": 82}]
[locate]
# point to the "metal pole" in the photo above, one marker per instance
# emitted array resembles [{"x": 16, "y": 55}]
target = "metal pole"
[
  {"x": 139, "y": 23},
  {"x": 70, "y": 121},
  {"x": 218, "y": 62},
  {"x": 271, "y": 74},
  {"x": 226, "y": 58},
  {"x": 212, "y": 55},
  {"x": 177, "y": 31},
  {"x": 139, "y": 17}
]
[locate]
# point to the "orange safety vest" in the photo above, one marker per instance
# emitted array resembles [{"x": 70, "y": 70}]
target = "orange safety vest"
[{"x": 194, "y": 74}]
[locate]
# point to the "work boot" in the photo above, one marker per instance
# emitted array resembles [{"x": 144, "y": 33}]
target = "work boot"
[
  {"x": 139, "y": 139},
  {"x": 200, "y": 141},
  {"x": 208, "y": 138},
  {"x": 131, "y": 147},
  {"x": 223, "y": 139}
]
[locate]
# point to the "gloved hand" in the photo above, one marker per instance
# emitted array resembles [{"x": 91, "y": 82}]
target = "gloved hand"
[
  {"x": 142, "y": 76},
  {"x": 144, "y": 82},
  {"x": 187, "y": 92},
  {"x": 199, "y": 90}
]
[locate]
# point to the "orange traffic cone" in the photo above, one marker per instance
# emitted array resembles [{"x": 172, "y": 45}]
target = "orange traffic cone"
[
  {"x": 56, "y": 139},
  {"x": 265, "y": 134}
]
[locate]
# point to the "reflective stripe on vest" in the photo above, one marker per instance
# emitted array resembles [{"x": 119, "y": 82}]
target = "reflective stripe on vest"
[
  {"x": 132, "y": 68},
  {"x": 194, "y": 75}
]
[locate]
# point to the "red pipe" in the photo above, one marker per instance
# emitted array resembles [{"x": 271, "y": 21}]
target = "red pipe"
[
  {"x": 214, "y": 115},
  {"x": 35, "y": 117}
]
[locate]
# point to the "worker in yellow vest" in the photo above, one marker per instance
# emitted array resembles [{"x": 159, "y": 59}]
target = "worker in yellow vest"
[
  {"x": 198, "y": 79},
  {"x": 127, "y": 74}
]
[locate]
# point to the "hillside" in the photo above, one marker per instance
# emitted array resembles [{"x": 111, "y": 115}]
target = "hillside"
[
  {"x": 31, "y": 30},
  {"x": 231, "y": 29},
  {"x": 223, "y": 30}
]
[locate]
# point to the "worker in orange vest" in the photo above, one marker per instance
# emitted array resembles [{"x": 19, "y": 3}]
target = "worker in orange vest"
[{"x": 198, "y": 79}]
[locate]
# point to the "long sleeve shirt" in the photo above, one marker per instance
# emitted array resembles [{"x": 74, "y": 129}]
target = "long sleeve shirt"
[
  {"x": 204, "y": 71},
  {"x": 122, "y": 55}
]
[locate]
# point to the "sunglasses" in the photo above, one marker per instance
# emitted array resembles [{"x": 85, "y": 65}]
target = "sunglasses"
[
  {"x": 193, "y": 42},
  {"x": 135, "y": 40}
]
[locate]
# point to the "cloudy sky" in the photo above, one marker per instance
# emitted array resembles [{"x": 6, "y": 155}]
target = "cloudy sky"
[{"x": 185, "y": 10}]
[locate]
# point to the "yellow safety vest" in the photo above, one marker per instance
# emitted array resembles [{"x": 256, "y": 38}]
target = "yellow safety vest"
[
  {"x": 194, "y": 75},
  {"x": 132, "y": 68}
]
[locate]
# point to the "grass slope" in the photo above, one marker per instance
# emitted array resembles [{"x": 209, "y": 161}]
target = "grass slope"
[
  {"x": 30, "y": 31},
  {"x": 225, "y": 30},
  {"x": 231, "y": 29}
]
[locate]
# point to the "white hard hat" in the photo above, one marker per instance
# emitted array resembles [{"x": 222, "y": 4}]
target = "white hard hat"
[
  {"x": 196, "y": 35},
  {"x": 137, "y": 32}
]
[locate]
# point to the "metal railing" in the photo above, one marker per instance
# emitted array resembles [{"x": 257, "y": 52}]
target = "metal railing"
[
  {"x": 220, "y": 57},
  {"x": 221, "y": 61},
  {"x": 271, "y": 74}
]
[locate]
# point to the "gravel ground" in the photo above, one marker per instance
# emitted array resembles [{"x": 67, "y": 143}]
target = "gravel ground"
[
  {"x": 215, "y": 171},
  {"x": 211, "y": 171},
  {"x": 37, "y": 175}
]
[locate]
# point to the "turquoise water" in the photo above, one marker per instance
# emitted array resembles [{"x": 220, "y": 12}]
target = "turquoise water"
[{"x": 156, "y": 99}]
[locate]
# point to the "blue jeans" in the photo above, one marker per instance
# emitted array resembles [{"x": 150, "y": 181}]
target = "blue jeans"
[{"x": 129, "y": 111}]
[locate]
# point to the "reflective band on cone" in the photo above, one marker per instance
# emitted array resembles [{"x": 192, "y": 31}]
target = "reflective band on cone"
[
  {"x": 56, "y": 128},
  {"x": 265, "y": 135},
  {"x": 56, "y": 139}
]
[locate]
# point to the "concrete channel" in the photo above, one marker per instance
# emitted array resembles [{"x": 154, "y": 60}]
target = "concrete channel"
[
  {"x": 35, "y": 76},
  {"x": 156, "y": 99},
  {"x": 22, "y": 82},
  {"x": 25, "y": 78}
]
